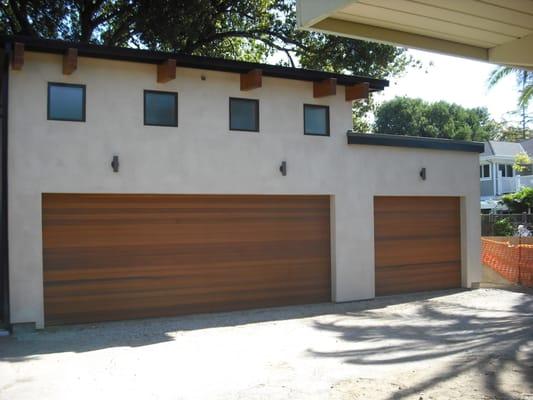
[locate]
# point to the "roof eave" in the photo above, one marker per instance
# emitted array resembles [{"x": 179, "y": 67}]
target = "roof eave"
[
  {"x": 378, "y": 139},
  {"x": 188, "y": 61}
]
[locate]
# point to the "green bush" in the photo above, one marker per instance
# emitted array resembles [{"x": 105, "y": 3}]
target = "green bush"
[
  {"x": 503, "y": 227},
  {"x": 520, "y": 201}
]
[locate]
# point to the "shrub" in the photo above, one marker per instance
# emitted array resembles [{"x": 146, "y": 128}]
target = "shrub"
[
  {"x": 520, "y": 201},
  {"x": 503, "y": 227}
]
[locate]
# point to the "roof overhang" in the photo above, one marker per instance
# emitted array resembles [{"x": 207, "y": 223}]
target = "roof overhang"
[
  {"x": 497, "y": 159},
  {"x": 496, "y": 31},
  {"x": 189, "y": 61}
]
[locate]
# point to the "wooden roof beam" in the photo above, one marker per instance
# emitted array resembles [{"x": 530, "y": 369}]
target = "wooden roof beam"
[
  {"x": 357, "y": 92},
  {"x": 251, "y": 80},
  {"x": 17, "y": 60},
  {"x": 70, "y": 61},
  {"x": 326, "y": 87},
  {"x": 166, "y": 71}
]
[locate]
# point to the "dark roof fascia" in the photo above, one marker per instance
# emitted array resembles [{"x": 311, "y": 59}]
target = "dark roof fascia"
[
  {"x": 414, "y": 142},
  {"x": 188, "y": 61}
]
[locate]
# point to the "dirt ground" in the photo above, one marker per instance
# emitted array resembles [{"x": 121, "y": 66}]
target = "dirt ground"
[{"x": 443, "y": 345}]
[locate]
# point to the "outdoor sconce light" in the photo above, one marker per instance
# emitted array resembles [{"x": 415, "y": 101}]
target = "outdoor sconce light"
[
  {"x": 115, "y": 164},
  {"x": 283, "y": 168},
  {"x": 423, "y": 174}
]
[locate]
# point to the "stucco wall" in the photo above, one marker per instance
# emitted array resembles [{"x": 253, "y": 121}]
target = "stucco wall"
[{"x": 203, "y": 156}]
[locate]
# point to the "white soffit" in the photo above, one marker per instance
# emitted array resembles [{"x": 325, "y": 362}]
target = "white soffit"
[{"x": 497, "y": 31}]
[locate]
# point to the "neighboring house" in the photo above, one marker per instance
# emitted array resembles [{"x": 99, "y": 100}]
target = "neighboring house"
[
  {"x": 528, "y": 147},
  {"x": 141, "y": 184},
  {"x": 496, "y": 173}
]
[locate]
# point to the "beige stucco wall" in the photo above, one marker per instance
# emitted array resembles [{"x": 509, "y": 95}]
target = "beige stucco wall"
[{"x": 203, "y": 156}]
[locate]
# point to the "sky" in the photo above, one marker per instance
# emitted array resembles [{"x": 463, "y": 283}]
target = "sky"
[{"x": 455, "y": 80}]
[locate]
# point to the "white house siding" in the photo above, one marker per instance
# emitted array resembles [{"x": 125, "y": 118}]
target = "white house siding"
[
  {"x": 202, "y": 156},
  {"x": 487, "y": 187}
]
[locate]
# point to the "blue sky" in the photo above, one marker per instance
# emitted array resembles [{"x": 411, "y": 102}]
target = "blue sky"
[{"x": 454, "y": 80}]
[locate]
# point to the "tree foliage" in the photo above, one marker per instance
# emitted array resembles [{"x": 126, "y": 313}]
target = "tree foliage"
[
  {"x": 524, "y": 79},
  {"x": 416, "y": 117},
  {"x": 519, "y": 202},
  {"x": 253, "y": 30},
  {"x": 510, "y": 132},
  {"x": 522, "y": 162},
  {"x": 503, "y": 227}
]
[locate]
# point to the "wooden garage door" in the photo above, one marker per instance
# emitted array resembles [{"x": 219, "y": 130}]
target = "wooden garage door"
[
  {"x": 111, "y": 257},
  {"x": 417, "y": 244}
]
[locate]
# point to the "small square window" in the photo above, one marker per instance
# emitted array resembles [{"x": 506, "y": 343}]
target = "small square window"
[
  {"x": 243, "y": 115},
  {"x": 316, "y": 120},
  {"x": 160, "y": 108},
  {"x": 66, "y": 102}
]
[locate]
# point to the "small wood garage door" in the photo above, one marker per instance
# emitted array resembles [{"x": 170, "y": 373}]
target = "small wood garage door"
[
  {"x": 417, "y": 243},
  {"x": 112, "y": 257}
]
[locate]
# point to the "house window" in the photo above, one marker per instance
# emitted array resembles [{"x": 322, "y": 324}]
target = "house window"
[
  {"x": 243, "y": 115},
  {"x": 484, "y": 171},
  {"x": 506, "y": 170},
  {"x": 316, "y": 120},
  {"x": 160, "y": 108},
  {"x": 66, "y": 102}
]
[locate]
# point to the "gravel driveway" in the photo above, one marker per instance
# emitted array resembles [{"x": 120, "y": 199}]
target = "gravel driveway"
[{"x": 442, "y": 345}]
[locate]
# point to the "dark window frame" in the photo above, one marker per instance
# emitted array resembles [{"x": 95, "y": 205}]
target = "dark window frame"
[
  {"x": 175, "y": 94},
  {"x": 256, "y": 108},
  {"x": 506, "y": 170},
  {"x": 328, "y": 129},
  {"x": 482, "y": 168},
  {"x": 84, "y": 101}
]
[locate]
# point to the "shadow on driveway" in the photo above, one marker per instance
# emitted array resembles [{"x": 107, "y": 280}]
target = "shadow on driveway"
[
  {"x": 135, "y": 333},
  {"x": 489, "y": 342}
]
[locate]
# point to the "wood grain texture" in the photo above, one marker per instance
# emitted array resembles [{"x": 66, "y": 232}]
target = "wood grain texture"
[
  {"x": 359, "y": 91},
  {"x": 166, "y": 71},
  {"x": 113, "y": 257},
  {"x": 70, "y": 61},
  {"x": 251, "y": 80},
  {"x": 417, "y": 243},
  {"x": 326, "y": 87}
]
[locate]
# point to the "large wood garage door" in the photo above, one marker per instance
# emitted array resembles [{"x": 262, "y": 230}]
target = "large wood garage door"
[
  {"x": 110, "y": 257},
  {"x": 417, "y": 244}
]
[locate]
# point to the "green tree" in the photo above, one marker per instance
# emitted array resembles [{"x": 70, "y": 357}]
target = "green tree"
[
  {"x": 510, "y": 132},
  {"x": 519, "y": 202},
  {"x": 522, "y": 162},
  {"x": 416, "y": 117},
  {"x": 503, "y": 227},
  {"x": 237, "y": 29}
]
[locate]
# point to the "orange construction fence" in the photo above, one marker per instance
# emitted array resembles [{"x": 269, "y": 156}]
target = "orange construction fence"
[{"x": 510, "y": 257}]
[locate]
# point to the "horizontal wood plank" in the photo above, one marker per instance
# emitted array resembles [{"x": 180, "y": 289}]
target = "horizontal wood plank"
[
  {"x": 109, "y": 257},
  {"x": 417, "y": 244}
]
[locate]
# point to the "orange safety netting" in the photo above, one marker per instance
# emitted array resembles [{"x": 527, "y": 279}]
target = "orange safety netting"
[{"x": 510, "y": 257}]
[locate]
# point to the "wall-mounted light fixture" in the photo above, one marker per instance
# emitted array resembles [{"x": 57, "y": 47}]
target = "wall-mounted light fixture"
[
  {"x": 423, "y": 174},
  {"x": 283, "y": 168},
  {"x": 115, "y": 164}
]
